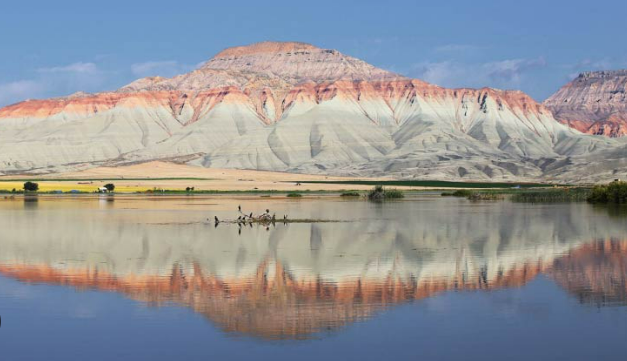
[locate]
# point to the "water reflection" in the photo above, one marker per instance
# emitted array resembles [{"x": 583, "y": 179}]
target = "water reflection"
[
  {"x": 595, "y": 273},
  {"x": 297, "y": 280}
]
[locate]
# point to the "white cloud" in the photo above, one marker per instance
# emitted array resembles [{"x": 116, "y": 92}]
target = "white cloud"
[
  {"x": 168, "y": 68},
  {"x": 498, "y": 74},
  {"x": 54, "y": 81},
  {"x": 510, "y": 71},
  {"x": 77, "y": 68},
  {"x": 441, "y": 73},
  {"x": 384, "y": 40},
  {"x": 592, "y": 65},
  {"x": 450, "y": 48},
  {"x": 19, "y": 90},
  {"x": 67, "y": 79}
]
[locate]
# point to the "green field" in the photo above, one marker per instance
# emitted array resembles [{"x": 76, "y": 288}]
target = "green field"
[{"x": 434, "y": 184}]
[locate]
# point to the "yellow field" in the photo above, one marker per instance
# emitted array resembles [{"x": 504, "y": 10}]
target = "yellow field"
[
  {"x": 211, "y": 179},
  {"x": 48, "y": 186}
]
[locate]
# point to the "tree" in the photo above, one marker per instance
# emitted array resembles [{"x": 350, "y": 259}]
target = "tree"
[
  {"x": 110, "y": 187},
  {"x": 31, "y": 187}
]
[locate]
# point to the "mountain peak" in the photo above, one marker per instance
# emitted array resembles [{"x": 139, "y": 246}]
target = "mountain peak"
[
  {"x": 268, "y": 64},
  {"x": 595, "y": 102},
  {"x": 295, "y": 62},
  {"x": 265, "y": 47}
]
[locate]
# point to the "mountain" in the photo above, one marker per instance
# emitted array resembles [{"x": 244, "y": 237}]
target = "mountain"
[
  {"x": 294, "y": 107},
  {"x": 594, "y": 103}
]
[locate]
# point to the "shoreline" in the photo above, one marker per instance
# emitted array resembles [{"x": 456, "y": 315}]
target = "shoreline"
[{"x": 161, "y": 177}]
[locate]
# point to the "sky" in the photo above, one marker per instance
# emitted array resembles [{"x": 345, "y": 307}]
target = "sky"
[{"x": 56, "y": 48}]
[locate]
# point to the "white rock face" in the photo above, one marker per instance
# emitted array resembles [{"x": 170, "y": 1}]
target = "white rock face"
[{"x": 297, "y": 108}]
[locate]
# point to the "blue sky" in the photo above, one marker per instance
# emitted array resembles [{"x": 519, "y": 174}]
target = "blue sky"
[{"x": 54, "y": 48}]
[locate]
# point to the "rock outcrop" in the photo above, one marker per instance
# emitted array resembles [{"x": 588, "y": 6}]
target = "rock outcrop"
[
  {"x": 298, "y": 108},
  {"x": 594, "y": 103}
]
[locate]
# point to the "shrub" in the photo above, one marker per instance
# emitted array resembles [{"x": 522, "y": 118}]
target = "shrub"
[
  {"x": 294, "y": 195},
  {"x": 552, "y": 196},
  {"x": 31, "y": 187},
  {"x": 614, "y": 193},
  {"x": 394, "y": 194},
  {"x": 379, "y": 194},
  {"x": 485, "y": 196},
  {"x": 458, "y": 193},
  {"x": 350, "y": 194},
  {"x": 462, "y": 193},
  {"x": 110, "y": 187}
]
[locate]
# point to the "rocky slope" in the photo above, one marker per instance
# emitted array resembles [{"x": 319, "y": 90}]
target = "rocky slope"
[
  {"x": 298, "y": 108},
  {"x": 594, "y": 103}
]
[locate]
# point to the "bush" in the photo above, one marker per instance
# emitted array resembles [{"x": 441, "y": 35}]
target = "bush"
[
  {"x": 613, "y": 193},
  {"x": 379, "y": 194},
  {"x": 458, "y": 193},
  {"x": 31, "y": 187},
  {"x": 350, "y": 194},
  {"x": 110, "y": 187},
  {"x": 552, "y": 196},
  {"x": 485, "y": 196},
  {"x": 294, "y": 195},
  {"x": 394, "y": 194}
]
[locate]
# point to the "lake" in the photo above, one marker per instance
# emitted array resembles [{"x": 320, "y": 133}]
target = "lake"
[{"x": 434, "y": 278}]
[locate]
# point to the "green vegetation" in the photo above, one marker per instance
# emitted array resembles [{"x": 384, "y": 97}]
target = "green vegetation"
[
  {"x": 435, "y": 184},
  {"x": 213, "y": 191},
  {"x": 379, "y": 193},
  {"x": 546, "y": 195},
  {"x": 458, "y": 193},
  {"x": 294, "y": 195},
  {"x": 31, "y": 187},
  {"x": 486, "y": 196},
  {"x": 613, "y": 193},
  {"x": 350, "y": 194},
  {"x": 552, "y": 195},
  {"x": 110, "y": 187}
]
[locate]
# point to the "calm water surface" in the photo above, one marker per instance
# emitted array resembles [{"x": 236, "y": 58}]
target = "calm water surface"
[{"x": 431, "y": 278}]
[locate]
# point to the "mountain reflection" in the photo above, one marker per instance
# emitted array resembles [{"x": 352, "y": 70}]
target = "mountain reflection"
[
  {"x": 298, "y": 280},
  {"x": 595, "y": 273}
]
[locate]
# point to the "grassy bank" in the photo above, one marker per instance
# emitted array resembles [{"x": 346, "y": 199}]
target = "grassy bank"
[
  {"x": 350, "y": 194},
  {"x": 546, "y": 195},
  {"x": 553, "y": 196},
  {"x": 613, "y": 193},
  {"x": 458, "y": 193},
  {"x": 434, "y": 184}
]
